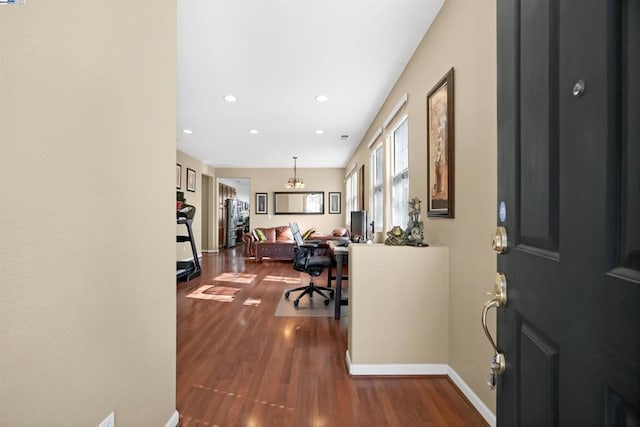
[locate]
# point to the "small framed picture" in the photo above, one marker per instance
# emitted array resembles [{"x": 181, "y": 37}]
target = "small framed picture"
[
  {"x": 334, "y": 203},
  {"x": 178, "y": 176},
  {"x": 191, "y": 180},
  {"x": 261, "y": 203}
]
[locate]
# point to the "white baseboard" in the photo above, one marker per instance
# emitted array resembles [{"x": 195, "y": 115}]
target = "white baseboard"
[
  {"x": 473, "y": 398},
  {"x": 424, "y": 369},
  {"x": 396, "y": 369},
  {"x": 173, "y": 420}
]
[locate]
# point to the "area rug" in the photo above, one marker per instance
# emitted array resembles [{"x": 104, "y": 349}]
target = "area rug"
[{"x": 308, "y": 307}]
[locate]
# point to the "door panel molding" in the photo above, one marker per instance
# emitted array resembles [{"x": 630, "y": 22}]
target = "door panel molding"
[
  {"x": 618, "y": 411},
  {"x": 628, "y": 38},
  {"x": 539, "y": 124},
  {"x": 538, "y": 379},
  {"x": 552, "y": 255}
]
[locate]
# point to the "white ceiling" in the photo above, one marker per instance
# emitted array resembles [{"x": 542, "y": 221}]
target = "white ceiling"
[{"x": 276, "y": 56}]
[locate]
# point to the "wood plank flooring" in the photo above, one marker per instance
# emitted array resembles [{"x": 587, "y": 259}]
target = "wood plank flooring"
[{"x": 239, "y": 365}]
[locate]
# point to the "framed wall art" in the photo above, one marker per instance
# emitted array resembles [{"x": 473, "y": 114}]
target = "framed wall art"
[
  {"x": 178, "y": 176},
  {"x": 191, "y": 180},
  {"x": 298, "y": 203},
  {"x": 261, "y": 204},
  {"x": 334, "y": 203},
  {"x": 440, "y": 148}
]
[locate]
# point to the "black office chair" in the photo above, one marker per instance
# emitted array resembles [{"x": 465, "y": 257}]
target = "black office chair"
[{"x": 305, "y": 260}]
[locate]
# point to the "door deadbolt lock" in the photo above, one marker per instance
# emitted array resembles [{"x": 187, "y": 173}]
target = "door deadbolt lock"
[{"x": 499, "y": 242}]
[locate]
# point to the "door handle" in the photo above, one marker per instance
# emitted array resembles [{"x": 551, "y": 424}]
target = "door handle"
[{"x": 499, "y": 299}]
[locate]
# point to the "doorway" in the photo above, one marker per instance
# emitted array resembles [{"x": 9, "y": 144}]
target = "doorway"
[
  {"x": 232, "y": 223},
  {"x": 206, "y": 214}
]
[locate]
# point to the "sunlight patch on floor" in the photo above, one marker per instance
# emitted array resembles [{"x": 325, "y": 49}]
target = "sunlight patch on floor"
[
  {"x": 214, "y": 293},
  {"x": 286, "y": 279},
  {"x": 242, "y": 278}
]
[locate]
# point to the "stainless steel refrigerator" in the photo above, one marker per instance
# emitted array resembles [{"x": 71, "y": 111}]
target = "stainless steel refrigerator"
[{"x": 232, "y": 223}]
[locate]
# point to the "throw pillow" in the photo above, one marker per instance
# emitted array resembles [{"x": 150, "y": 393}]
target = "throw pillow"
[
  {"x": 339, "y": 232},
  {"x": 260, "y": 235},
  {"x": 283, "y": 233},
  {"x": 269, "y": 233},
  {"x": 308, "y": 233}
]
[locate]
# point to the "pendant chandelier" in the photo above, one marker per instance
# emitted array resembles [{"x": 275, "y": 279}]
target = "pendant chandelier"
[{"x": 295, "y": 182}]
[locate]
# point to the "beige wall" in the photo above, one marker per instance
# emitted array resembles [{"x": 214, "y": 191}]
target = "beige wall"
[
  {"x": 399, "y": 313},
  {"x": 463, "y": 36},
  {"x": 87, "y": 131},
  {"x": 269, "y": 180},
  {"x": 183, "y": 250}
]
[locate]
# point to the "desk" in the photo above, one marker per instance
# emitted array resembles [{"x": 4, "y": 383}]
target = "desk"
[
  {"x": 274, "y": 249},
  {"x": 341, "y": 256}
]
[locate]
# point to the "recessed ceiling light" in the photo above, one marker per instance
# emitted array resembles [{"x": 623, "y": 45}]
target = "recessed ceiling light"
[
  {"x": 253, "y": 131},
  {"x": 322, "y": 98},
  {"x": 187, "y": 131},
  {"x": 319, "y": 131},
  {"x": 230, "y": 98}
]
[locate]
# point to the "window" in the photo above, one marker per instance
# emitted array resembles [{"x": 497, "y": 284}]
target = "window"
[
  {"x": 400, "y": 175},
  {"x": 377, "y": 188},
  {"x": 352, "y": 195}
]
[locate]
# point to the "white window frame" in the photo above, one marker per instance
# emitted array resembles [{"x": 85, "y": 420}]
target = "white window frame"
[
  {"x": 399, "y": 181},
  {"x": 351, "y": 194},
  {"x": 377, "y": 186}
]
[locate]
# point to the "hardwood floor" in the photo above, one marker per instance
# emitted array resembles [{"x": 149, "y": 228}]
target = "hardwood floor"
[{"x": 239, "y": 365}]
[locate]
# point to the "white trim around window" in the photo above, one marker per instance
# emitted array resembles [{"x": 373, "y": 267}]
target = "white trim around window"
[
  {"x": 376, "y": 199},
  {"x": 400, "y": 173}
]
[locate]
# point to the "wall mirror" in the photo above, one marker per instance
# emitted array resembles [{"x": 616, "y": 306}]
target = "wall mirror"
[{"x": 300, "y": 202}]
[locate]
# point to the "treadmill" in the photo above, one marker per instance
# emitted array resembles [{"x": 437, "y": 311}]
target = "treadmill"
[{"x": 187, "y": 270}]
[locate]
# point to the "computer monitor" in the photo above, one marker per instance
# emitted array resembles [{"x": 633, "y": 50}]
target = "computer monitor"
[{"x": 359, "y": 224}]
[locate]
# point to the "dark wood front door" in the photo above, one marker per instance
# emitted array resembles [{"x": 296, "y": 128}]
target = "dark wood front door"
[{"x": 569, "y": 178}]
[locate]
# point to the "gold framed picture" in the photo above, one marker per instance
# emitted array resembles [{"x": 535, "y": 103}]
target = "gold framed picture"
[{"x": 440, "y": 147}]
